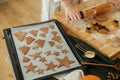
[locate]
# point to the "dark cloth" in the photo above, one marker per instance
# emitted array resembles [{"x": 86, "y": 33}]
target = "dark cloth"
[{"x": 105, "y": 73}]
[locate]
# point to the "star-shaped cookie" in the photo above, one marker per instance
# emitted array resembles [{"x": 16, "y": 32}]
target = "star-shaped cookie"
[
  {"x": 30, "y": 67},
  {"x": 51, "y": 66},
  {"x": 58, "y": 46},
  {"x": 56, "y": 53},
  {"x": 42, "y": 59},
  {"x": 65, "y": 51},
  {"x": 48, "y": 53},
  {"x": 64, "y": 62},
  {"x": 40, "y": 71}
]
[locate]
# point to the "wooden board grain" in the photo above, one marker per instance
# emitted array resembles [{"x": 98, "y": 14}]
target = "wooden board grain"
[
  {"x": 102, "y": 42},
  {"x": 14, "y": 13}
]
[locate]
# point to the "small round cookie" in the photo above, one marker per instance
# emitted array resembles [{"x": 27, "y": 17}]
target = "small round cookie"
[{"x": 101, "y": 17}]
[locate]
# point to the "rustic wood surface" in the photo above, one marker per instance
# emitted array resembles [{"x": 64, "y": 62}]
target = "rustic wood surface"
[{"x": 102, "y": 43}]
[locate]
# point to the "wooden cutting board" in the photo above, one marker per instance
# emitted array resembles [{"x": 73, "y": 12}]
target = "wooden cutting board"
[{"x": 100, "y": 41}]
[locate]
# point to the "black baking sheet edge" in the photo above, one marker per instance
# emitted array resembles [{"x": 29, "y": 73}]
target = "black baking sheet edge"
[
  {"x": 14, "y": 58},
  {"x": 12, "y": 53}
]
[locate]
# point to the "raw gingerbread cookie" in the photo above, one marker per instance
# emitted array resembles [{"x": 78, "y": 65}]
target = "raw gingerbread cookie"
[
  {"x": 64, "y": 62},
  {"x": 30, "y": 67},
  {"x": 25, "y": 59},
  {"x": 51, "y": 66},
  {"x": 40, "y": 42},
  {"x": 42, "y": 59},
  {"x": 57, "y": 38},
  {"x": 52, "y": 26},
  {"x": 54, "y": 33},
  {"x": 40, "y": 71},
  {"x": 48, "y": 53},
  {"x": 20, "y": 35},
  {"x": 43, "y": 35},
  {"x": 35, "y": 55},
  {"x": 34, "y": 32},
  {"x": 24, "y": 49},
  {"x": 51, "y": 43},
  {"x": 65, "y": 51},
  {"x": 58, "y": 46},
  {"x": 44, "y": 29},
  {"x": 56, "y": 53},
  {"x": 29, "y": 40}
]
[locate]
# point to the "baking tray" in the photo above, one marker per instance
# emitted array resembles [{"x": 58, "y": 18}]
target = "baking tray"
[{"x": 16, "y": 56}]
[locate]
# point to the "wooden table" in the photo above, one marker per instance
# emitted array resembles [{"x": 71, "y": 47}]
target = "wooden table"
[
  {"x": 101, "y": 43},
  {"x": 15, "y": 13}
]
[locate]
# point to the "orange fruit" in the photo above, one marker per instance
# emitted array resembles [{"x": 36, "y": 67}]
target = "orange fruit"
[{"x": 91, "y": 77}]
